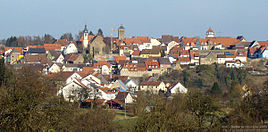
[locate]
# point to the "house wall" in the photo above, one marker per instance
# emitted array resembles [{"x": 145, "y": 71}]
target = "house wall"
[
  {"x": 54, "y": 69},
  {"x": 129, "y": 99},
  {"x": 153, "y": 89},
  {"x": 265, "y": 54},
  {"x": 14, "y": 58}
]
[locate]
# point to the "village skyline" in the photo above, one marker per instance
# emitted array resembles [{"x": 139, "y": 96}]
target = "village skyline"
[{"x": 141, "y": 18}]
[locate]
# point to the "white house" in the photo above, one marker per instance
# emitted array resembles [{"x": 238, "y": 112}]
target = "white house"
[
  {"x": 55, "y": 68},
  {"x": 70, "y": 49},
  {"x": 60, "y": 59},
  {"x": 76, "y": 90},
  {"x": 73, "y": 77},
  {"x": 107, "y": 94},
  {"x": 155, "y": 42},
  {"x": 125, "y": 97},
  {"x": 92, "y": 79},
  {"x": 178, "y": 88},
  {"x": 236, "y": 64},
  {"x": 132, "y": 84}
]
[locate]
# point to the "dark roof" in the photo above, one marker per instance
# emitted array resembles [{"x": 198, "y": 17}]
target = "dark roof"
[
  {"x": 150, "y": 51},
  {"x": 54, "y": 53},
  {"x": 37, "y": 50},
  {"x": 168, "y": 38},
  {"x": 121, "y": 27},
  {"x": 40, "y": 58},
  {"x": 163, "y": 61},
  {"x": 121, "y": 96},
  {"x": 243, "y": 44}
]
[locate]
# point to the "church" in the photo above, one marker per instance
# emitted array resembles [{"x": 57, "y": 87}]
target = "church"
[{"x": 95, "y": 44}]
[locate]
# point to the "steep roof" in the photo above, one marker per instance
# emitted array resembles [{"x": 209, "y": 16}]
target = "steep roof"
[
  {"x": 121, "y": 96},
  {"x": 73, "y": 57},
  {"x": 210, "y": 30}
]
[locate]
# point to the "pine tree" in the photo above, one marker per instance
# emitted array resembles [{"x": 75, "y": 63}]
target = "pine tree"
[{"x": 216, "y": 88}]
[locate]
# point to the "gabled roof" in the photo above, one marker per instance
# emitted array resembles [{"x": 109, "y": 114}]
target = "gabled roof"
[
  {"x": 62, "y": 42},
  {"x": 121, "y": 96}
]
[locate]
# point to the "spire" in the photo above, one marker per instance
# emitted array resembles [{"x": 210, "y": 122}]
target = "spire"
[{"x": 85, "y": 30}]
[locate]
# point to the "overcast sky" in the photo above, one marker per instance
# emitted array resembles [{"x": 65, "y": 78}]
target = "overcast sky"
[{"x": 140, "y": 17}]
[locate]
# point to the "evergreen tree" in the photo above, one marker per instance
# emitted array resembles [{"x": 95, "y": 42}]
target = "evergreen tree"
[{"x": 215, "y": 88}]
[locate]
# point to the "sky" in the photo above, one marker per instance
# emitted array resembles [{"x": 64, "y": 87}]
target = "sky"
[{"x": 151, "y": 18}]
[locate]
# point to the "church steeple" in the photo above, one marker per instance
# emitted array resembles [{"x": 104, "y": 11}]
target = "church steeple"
[
  {"x": 85, "y": 29},
  {"x": 85, "y": 38}
]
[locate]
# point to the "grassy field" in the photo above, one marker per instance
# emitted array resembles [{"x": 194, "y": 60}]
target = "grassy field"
[{"x": 124, "y": 123}]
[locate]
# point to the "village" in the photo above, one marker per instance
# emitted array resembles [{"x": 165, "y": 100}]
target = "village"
[{"x": 111, "y": 70}]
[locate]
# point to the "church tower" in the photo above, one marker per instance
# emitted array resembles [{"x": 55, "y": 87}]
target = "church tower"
[
  {"x": 210, "y": 33},
  {"x": 85, "y": 38},
  {"x": 121, "y": 32}
]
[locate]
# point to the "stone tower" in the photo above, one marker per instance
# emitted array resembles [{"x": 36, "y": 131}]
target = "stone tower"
[
  {"x": 121, "y": 32},
  {"x": 85, "y": 38}
]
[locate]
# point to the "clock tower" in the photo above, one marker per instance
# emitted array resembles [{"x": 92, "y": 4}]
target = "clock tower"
[{"x": 85, "y": 38}]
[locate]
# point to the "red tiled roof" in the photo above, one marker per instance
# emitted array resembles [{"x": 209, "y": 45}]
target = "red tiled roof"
[
  {"x": 184, "y": 59},
  {"x": 88, "y": 69},
  {"x": 150, "y": 83},
  {"x": 95, "y": 100},
  {"x": 62, "y": 42},
  {"x": 263, "y": 43},
  {"x": 210, "y": 30},
  {"x": 52, "y": 47},
  {"x": 118, "y": 58},
  {"x": 101, "y": 63},
  {"x": 17, "y": 48},
  {"x": 36, "y": 46},
  {"x": 136, "y": 52}
]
